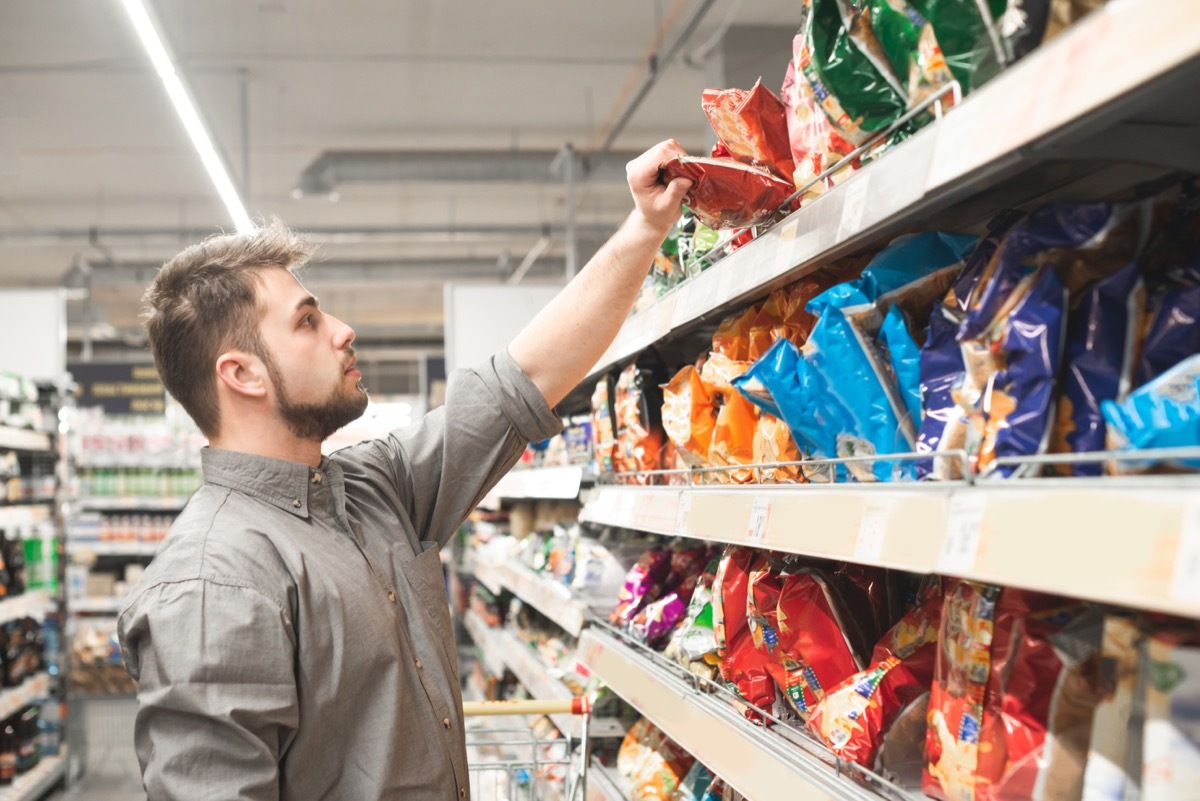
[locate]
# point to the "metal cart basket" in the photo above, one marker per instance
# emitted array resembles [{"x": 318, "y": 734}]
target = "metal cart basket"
[{"x": 509, "y": 760}]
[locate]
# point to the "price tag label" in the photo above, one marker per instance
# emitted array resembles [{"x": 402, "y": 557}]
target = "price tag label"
[
  {"x": 783, "y": 247},
  {"x": 1185, "y": 579},
  {"x": 854, "y": 205},
  {"x": 683, "y": 513},
  {"x": 964, "y": 527},
  {"x": 756, "y": 529},
  {"x": 626, "y": 508},
  {"x": 872, "y": 530}
]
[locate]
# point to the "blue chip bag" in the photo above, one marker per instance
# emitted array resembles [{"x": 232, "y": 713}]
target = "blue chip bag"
[
  {"x": 1164, "y": 413},
  {"x": 853, "y": 389},
  {"x": 1101, "y": 332},
  {"x": 943, "y": 421},
  {"x": 1173, "y": 334}
]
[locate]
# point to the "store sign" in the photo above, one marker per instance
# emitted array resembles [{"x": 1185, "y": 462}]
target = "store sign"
[{"x": 119, "y": 387}]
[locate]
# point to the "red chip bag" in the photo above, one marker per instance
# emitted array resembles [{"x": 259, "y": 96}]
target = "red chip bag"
[
  {"x": 729, "y": 194},
  {"x": 743, "y": 666},
  {"x": 855, "y": 715},
  {"x": 752, "y": 126}
]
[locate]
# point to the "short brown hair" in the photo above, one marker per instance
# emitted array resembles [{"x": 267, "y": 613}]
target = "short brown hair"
[{"x": 203, "y": 303}]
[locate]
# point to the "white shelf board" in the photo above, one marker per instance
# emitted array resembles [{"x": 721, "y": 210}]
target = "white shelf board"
[
  {"x": 13, "y": 699},
  {"x": 1133, "y": 543},
  {"x": 757, "y": 762},
  {"x": 552, "y": 598},
  {"x": 23, "y": 439},
  {"x": 31, "y": 603},
  {"x": 130, "y": 503},
  {"x": 535, "y": 677},
  {"x": 1066, "y": 87},
  {"x": 489, "y": 576},
  {"x": 113, "y": 547},
  {"x": 37, "y": 782},
  {"x": 485, "y": 638},
  {"x": 98, "y": 606},
  {"x": 542, "y": 483},
  {"x": 26, "y": 513}
]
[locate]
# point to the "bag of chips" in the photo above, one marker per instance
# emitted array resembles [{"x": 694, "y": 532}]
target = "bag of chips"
[
  {"x": 815, "y": 144},
  {"x": 743, "y": 666},
  {"x": 728, "y": 194},
  {"x": 604, "y": 425},
  {"x": 689, "y": 416},
  {"x": 1100, "y": 334},
  {"x": 638, "y": 409},
  {"x": 733, "y": 441},
  {"x": 643, "y": 583},
  {"x": 972, "y": 54},
  {"x": 855, "y": 715},
  {"x": 752, "y": 125},
  {"x": 694, "y": 643},
  {"x": 662, "y": 772},
  {"x": 1114, "y": 760},
  {"x": 911, "y": 47},
  {"x": 1164, "y": 413}
]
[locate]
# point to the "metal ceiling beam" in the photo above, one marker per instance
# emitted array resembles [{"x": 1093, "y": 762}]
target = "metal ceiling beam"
[{"x": 334, "y": 168}]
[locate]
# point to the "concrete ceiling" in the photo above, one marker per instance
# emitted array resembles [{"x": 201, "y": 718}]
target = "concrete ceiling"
[{"x": 96, "y": 171}]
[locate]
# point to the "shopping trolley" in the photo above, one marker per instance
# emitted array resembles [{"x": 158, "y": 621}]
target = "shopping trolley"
[{"x": 510, "y": 762}]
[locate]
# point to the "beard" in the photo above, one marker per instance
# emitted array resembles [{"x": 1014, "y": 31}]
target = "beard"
[{"x": 317, "y": 421}]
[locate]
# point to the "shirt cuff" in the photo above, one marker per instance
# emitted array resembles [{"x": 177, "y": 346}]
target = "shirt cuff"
[{"x": 519, "y": 398}]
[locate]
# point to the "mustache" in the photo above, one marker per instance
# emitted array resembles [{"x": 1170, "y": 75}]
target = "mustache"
[{"x": 349, "y": 360}]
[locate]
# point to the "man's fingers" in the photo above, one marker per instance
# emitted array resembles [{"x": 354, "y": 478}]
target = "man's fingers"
[{"x": 676, "y": 190}]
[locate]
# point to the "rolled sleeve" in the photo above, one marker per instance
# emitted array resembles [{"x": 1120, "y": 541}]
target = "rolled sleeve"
[
  {"x": 217, "y": 699},
  {"x": 443, "y": 466}
]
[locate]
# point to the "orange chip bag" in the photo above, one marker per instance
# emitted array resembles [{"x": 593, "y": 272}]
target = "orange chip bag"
[
  {"x": 733, "y": 439},
  {"x": 732, "y": 339},
  {"x": 773, "y": 443},
  {"x": 718, "y": 374},
  {"x": 752, "y": 125},
  {"x": 689, "y": 415}
]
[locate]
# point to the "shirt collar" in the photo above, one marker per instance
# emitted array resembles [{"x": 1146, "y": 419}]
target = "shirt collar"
[{"x": 280, "y": 483}]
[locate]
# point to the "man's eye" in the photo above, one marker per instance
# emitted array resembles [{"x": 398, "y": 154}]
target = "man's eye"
[{"x": 309, "y": 320}]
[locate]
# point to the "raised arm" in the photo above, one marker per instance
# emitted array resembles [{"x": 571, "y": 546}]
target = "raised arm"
[{"x": 560, "y": 345}]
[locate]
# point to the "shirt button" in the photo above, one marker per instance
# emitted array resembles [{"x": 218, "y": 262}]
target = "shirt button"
[
  {"x": 419, "y": 665},
  {"x": 392, "y": 597},
  {"x": 446, "y": 722},
  {"x": 316, "y": 478},
  {"x": 297, "y": 503},
  {"x": 462, "y": 792}
]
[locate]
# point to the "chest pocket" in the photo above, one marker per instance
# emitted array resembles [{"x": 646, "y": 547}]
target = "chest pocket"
[{"x": 429, "y": 616}]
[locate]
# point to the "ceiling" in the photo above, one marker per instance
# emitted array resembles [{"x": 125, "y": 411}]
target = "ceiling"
[{"x": 97, "y": 174}]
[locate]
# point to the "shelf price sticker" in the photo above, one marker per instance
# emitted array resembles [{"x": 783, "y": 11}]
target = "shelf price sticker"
[
  {"x": 854, "y": 205},
  {"x": 964, "y": 529},
  {"x": 683, "y": 513},
  {"x": 1185, "y": 578},
  {"x": 783, "y": 247},
  {"x": 872, "y": 529},
  {"x": 756, "y": 529}
]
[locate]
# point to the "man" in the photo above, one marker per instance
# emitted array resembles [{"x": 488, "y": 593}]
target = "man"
[{"x": 292, "y": 638}]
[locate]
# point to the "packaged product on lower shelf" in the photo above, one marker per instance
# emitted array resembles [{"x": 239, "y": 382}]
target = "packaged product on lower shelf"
[
  {"x": 1010, "y": 713},
  {"x": 654, "y": 763},
  {"x": 744, "y": 667}
]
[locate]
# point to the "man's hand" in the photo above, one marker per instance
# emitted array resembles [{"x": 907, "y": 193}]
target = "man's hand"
[{"x": 657, "y": 203}]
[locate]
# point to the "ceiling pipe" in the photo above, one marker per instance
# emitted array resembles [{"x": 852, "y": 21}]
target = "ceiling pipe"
[
  {"x": 336, "y": 167},
  {"x": 656, "y": 62},
  {"x": 526, "y": 264}
]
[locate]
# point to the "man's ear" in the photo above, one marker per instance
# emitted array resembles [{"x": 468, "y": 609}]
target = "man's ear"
[{"x": 243, "y": 373}]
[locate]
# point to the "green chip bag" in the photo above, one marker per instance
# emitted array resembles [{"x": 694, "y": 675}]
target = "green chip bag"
[
  {"x": 911, "y": 47},
  {"x": 964, "y": 39}
]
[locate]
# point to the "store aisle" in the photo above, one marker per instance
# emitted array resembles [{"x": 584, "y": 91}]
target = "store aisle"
[{"x": 104, "y": 766}]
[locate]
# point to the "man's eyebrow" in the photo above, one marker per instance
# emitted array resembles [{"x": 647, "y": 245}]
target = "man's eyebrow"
[{"x": 308, "y": 301}]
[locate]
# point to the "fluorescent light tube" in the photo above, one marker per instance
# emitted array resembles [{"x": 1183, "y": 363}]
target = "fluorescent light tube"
[{"x": 181, "y": 98}]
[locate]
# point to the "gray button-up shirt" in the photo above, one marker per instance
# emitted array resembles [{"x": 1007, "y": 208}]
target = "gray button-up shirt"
[{"x": 292, "y": 639}]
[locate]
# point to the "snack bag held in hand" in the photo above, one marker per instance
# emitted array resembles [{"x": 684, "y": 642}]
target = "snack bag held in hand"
[
  {"x": 752, "y": 125},
  {"x": 728, "y": 194}
]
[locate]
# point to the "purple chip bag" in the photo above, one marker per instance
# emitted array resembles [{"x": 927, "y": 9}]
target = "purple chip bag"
[
  {"x": 642, "y": 585},
  {"x": 1174, "y": 333},
  {"x": 1100, "y": 336},
  {"x": 656, "y": 621}
]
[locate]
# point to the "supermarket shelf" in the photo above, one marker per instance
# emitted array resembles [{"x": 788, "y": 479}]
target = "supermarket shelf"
[
  {"x": 1133, "y": 543},
  {"x": 552, "y": 598},
  {"x": 26, "y": 513},
  {"x": 489, "y": 576},
  {"x": 605, "y": 784},
  {"x": 114, "y": 547},
  {"x": 95, "y": 606},
  {"x": 1081, "y": 108},
  {"x": 32, "y": 603},
  {"x": 486, "y": 639},
  {"x": 22, "y": 439},
  {"x": 535, "y": 677},
  {"x": 39, "y": 781},
  {"x": 134, "y": 503},
  {"x": 12, "y": 700},
  {"x": 548, "y": 483},
  {"x": 755, "y": 761}
]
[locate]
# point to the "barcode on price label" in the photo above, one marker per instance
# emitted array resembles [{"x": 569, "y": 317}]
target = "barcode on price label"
[
  {"x": 871, "y": 530},
  {"x": 964, "y": 527},
  {"x": 1185, "y": 579},
  {"x": 682, "y": 513},
  {"x": 760, "y": 513}
]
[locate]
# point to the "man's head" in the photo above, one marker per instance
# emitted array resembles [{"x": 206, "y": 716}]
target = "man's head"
[{"x": 228, "y": 314}]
